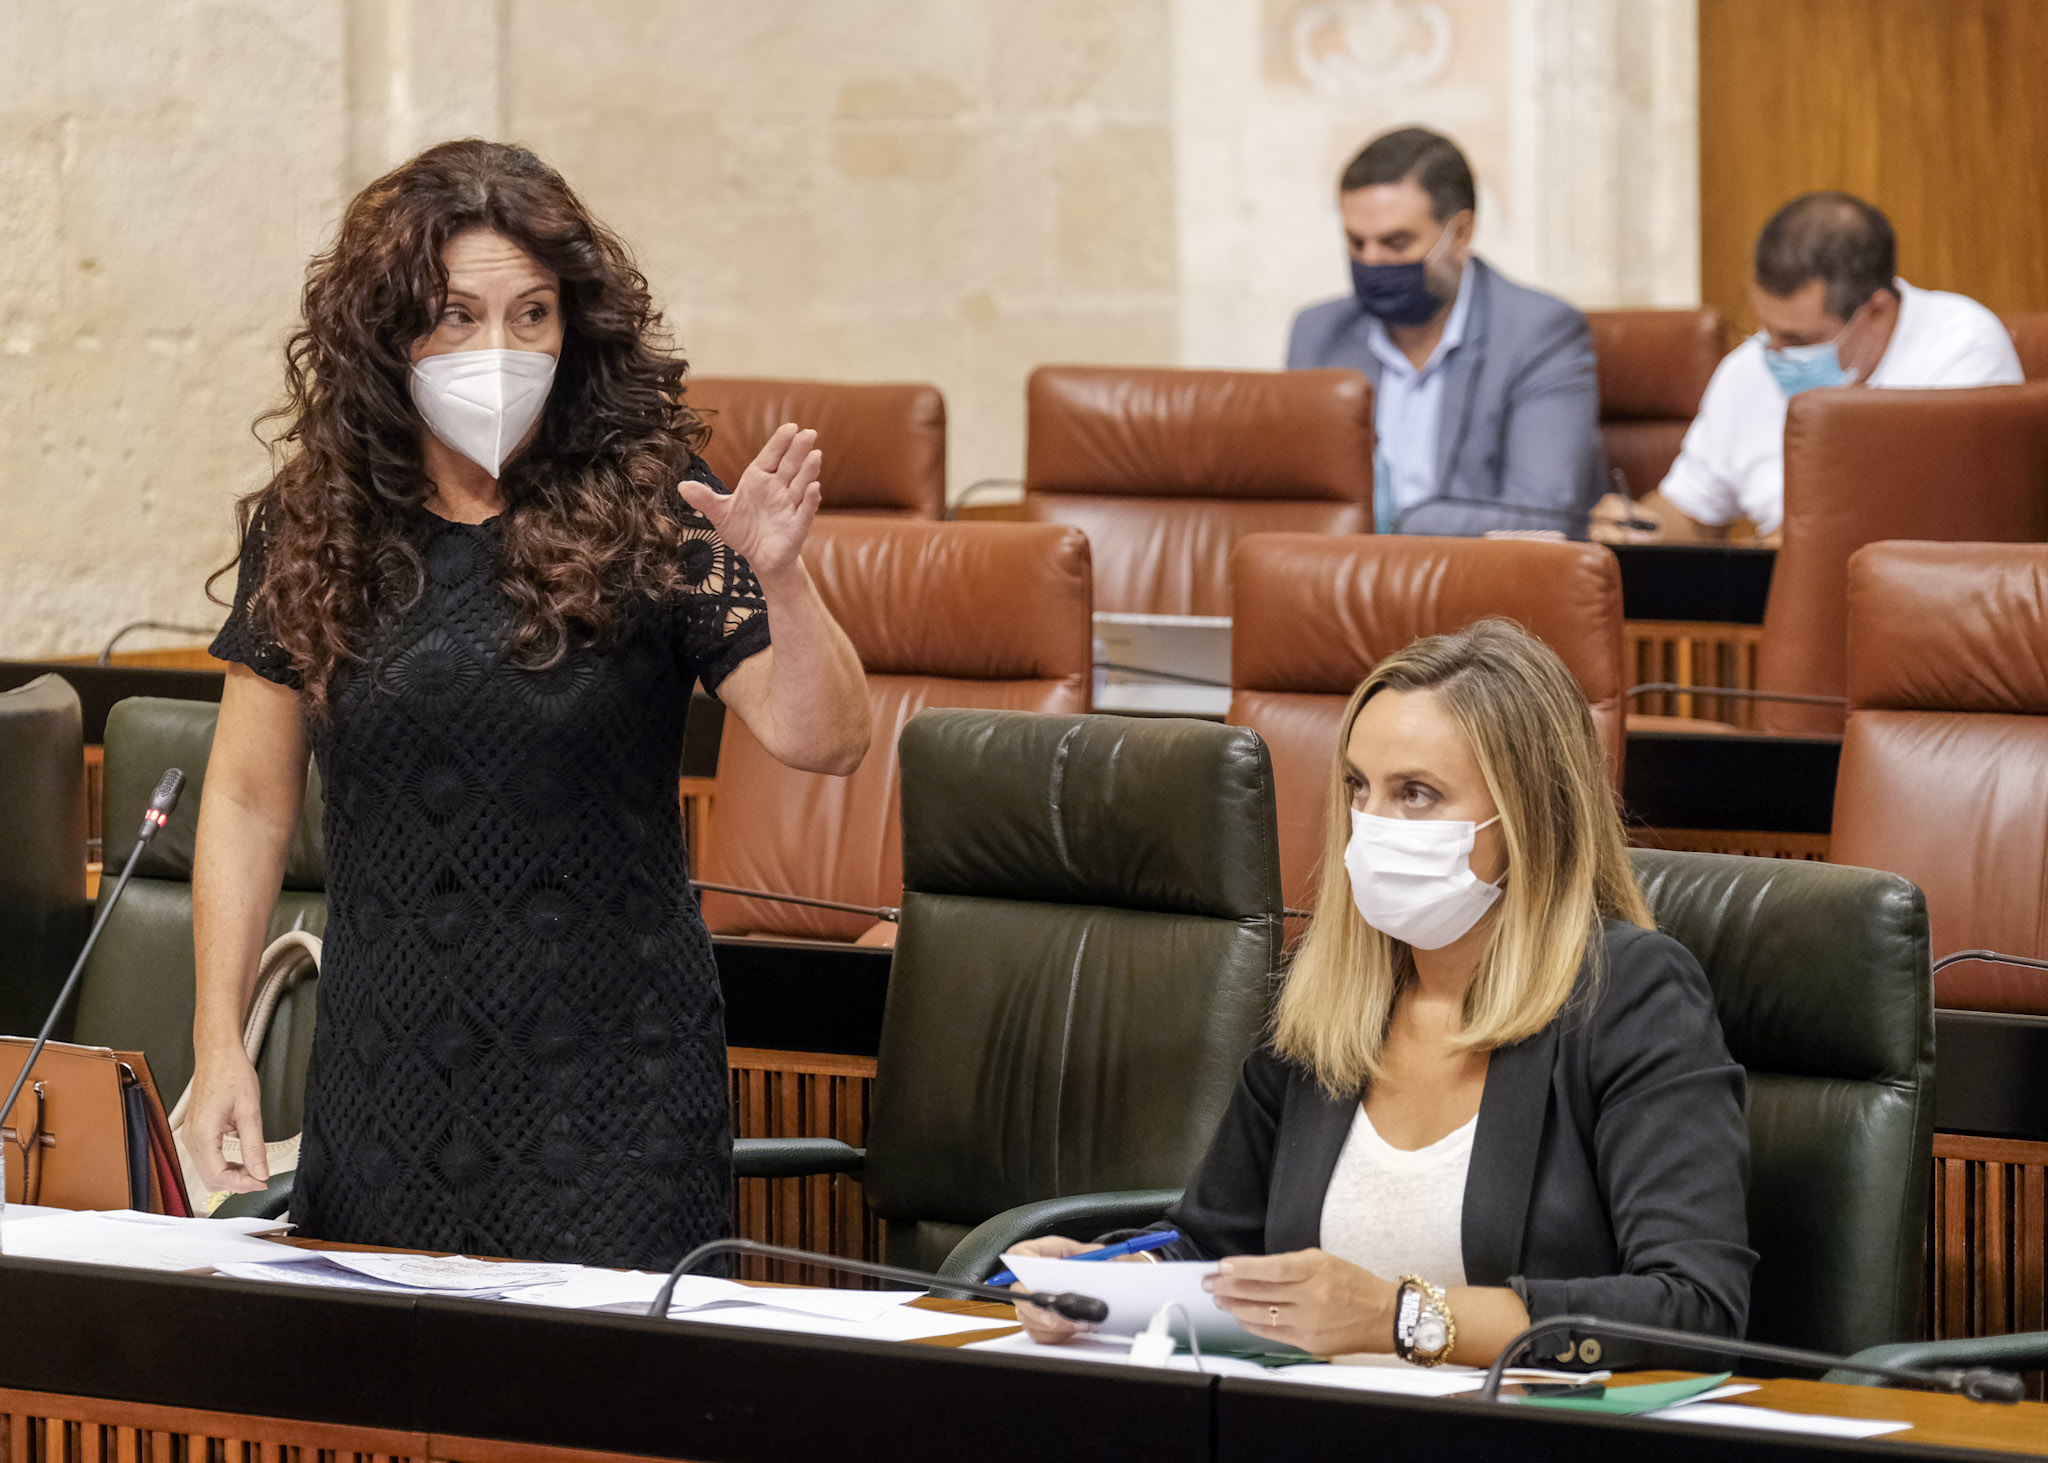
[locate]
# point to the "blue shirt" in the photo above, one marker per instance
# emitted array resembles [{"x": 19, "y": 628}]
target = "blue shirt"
[{"x": 1406, "y": 411}]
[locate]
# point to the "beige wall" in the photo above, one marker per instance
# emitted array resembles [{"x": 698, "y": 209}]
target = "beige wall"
[{"x": 945, "y": 190}]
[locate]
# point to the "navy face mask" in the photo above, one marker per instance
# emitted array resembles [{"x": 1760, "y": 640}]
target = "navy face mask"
[{"x": 1399, "y": 294}]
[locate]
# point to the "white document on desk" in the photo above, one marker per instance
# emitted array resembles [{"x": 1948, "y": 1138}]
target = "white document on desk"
[
  {"x": 1134, "y": 1294},
  {"x": 1360, "y": 1374},
  {"x": 448, "y": 1274},
  {"x": 313, "y": 1270},
  {"x": 634, "y": 1292},
  {"x": 901, "y": 1323},
  {"x": 1722, "y": 1414},
  {"x": 190, "y": 1246}
]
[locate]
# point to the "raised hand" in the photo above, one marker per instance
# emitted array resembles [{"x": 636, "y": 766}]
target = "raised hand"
[{"x": 767, "y": 515}]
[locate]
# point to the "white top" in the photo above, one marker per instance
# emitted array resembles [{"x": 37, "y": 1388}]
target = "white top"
[
  {"x": 1399, "y": 1211},
  {"x": 1732, "y": 464}
]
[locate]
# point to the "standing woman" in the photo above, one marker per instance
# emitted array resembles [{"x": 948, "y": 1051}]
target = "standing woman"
[{"x": 479, "y": 591}]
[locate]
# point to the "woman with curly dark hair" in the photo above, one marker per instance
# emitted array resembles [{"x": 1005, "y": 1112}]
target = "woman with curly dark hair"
[{"x": 479, "y": 590}]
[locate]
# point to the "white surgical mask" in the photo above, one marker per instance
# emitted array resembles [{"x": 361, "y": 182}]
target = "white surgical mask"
[
  {"x": 1412, "y": 877},
  {"x": 481, "y": 403}
]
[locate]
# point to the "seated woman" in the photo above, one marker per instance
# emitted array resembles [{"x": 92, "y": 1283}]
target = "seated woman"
[{"x": 1492, "y": 1090}]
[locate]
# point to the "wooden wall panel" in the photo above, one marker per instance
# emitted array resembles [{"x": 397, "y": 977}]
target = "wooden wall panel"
[{"x": 1931, "y": 109}]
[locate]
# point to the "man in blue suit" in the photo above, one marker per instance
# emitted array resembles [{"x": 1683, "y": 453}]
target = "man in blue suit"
[{"x": 1486, "y": 407}]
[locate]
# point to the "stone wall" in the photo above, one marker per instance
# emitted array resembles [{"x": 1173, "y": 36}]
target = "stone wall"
[{"x": 901, "y": 189}]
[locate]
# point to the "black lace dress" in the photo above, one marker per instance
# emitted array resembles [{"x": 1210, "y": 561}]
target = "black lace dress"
[{"x": 520, "y": 1046}]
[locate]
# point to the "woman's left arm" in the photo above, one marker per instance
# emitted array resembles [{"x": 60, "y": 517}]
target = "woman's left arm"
[
  {"x": 804, "y": 698},
  {"x": 1670, "y": 1148}
]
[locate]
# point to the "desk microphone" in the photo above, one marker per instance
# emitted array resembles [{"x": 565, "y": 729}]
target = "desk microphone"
[
  {"x": 1073, "y": 1307},
  {"x": 162, "y": 803},
  {"x": 1979, "y": 1384}
]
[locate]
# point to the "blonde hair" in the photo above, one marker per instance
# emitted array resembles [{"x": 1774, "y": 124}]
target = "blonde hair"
[{"x": 1532, "y": 735}]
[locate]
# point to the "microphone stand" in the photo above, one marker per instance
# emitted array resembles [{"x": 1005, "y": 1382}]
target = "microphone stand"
[
  {"x": 1073, "y": 1307},
  {"x": 158, "y": 813},
  {"x": 1980, "y": 1384}
]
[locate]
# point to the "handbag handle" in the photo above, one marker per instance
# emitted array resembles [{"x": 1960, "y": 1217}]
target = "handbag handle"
[{"x": 31, "y": 1145}]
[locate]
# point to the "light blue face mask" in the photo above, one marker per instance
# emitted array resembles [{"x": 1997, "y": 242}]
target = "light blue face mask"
[{"x": 1798, "y": 368}]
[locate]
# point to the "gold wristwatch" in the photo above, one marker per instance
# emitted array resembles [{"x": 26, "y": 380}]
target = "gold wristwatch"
[{"x": 1424, "y": 1332}]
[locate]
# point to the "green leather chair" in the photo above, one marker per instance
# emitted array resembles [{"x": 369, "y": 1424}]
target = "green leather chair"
[
  {"x": 1820, "y": 973},
  {"x": 1091, "y": 917},
  {"x": 43, "y": 909},
  {"x": 138, "y": 987},
  {"x": 1821, "y": 978}
]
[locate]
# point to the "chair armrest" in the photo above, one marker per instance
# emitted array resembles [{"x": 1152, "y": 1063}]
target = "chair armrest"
[
  {"x": 2021, "y": 1352},
  {"x": 793, "y": 1158},
  {"x": 269, "y": 1203},
  {"x": 1076, "y": 1215}
]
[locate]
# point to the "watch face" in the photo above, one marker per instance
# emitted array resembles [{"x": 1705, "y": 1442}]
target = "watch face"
[{"x": 1429, "y": 1332}]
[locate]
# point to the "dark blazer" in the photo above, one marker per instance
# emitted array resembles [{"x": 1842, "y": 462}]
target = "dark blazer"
[
  {"x": 1518, "y": 445},
  {"x": 1608, "y": 1169}
]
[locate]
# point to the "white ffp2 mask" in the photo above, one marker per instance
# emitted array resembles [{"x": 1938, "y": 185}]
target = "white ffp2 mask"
[
  {"x": 1412, "y": 878},
  {"x": 482, "y": 402}
]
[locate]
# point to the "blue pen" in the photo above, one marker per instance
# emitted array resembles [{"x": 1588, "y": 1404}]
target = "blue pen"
[{"x": 1136, "y": 1246}]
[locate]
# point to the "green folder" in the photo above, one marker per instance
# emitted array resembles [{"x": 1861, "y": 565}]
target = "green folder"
[{"x": 1647, "y": 1398}]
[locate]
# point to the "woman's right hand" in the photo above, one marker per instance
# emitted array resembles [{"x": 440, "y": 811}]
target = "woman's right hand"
[
  {"x": 1041, "y": 1325},
  {"x": 226, "y": 1099}
]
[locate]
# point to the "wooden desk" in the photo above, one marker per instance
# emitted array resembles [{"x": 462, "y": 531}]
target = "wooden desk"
[{"x": 100, "y": 1364}]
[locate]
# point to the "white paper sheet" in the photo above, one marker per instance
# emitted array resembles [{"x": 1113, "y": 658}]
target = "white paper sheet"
[
  {"x": 314, "y": 1273},
  {"x": 449, "y": 1274},
  {"x": 1722, "y": 1414},
  {"x": 635, "y": 1291},
  {"x": 1134, "y": 1294},
  {"x": 900, "y": 1323},
  {"x": 1362, "y": 1374},
  {"x": 193, "y": 1246},
  {"x": 1113, "y": 1351},
  {"x": 247, "y": 1224}
]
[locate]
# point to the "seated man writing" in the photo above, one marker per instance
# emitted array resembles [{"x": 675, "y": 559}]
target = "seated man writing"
[
  {"x": 1834, "y": 313},
  {"x": 1485, "y": 402}
]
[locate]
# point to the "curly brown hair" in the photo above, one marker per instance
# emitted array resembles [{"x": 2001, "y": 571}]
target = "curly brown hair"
[{"x": 590, "y": 518}]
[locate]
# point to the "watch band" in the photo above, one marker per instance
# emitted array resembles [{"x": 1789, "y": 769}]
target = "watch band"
[{"x": 1424, "y": 1332}]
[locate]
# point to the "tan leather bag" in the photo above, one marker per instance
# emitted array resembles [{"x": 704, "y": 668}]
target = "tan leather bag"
[
  {"x": 289, "y": 958},
  {"x": 88, "y": 1132}
]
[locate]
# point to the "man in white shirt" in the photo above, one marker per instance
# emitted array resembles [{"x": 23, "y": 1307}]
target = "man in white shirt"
[{"x": 1834, "y": 313}]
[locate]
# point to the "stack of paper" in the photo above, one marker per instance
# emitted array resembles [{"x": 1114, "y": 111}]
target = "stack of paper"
[
  {"x": 141, "y": 1241},
  {"x": 229, "y": 1247}
]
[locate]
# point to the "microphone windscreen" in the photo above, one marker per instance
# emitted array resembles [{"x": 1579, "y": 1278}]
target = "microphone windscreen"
[{"x": 165, "y": 798}]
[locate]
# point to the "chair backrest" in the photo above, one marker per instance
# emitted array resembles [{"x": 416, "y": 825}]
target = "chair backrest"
[
  {"x": 941, "y": 614},
  {"x": 1861, "y": 466},
  {"x": 1316, "y": 613},
  {"x": 1166, "y": 470},
  {"x": 884, "y": 444},
  {"x": 1091, "y": 919},
  {"x": 2029, "y": 334},
  {"x": 1944, "y": 775},
  {"x": 1820, "y": 978},
  {"x": 43, "y": 909},
  {"x": 1654, "y": 367},
  {"x": 137, "y": 991}
]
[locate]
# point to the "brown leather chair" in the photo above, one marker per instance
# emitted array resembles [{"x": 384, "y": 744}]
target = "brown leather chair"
[
  {"x": 1315, "y": 614},
  {"x": 884, "y": 445},
  {"x": 1166, "y": 470},
  {"x": 1945, "y": 764},
  {"x": 1862, "y": 466},
  {"x": 1654, "y": 367},
  {"x": 2030, "y": 340},
  {"x": 992, "y": 615}
]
